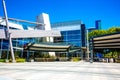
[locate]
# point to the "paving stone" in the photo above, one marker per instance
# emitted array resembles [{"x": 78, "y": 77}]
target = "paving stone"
[{"x": 59, "y": 71}]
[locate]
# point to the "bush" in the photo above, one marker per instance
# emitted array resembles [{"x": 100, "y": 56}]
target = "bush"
[
  {"x": 44, "y": 59},
  {"x": 20, "y": 60},
  {"x": 112, "y": 54},
  {"x": 75, "y": 59},
  {"x": 2, "y": 60}
]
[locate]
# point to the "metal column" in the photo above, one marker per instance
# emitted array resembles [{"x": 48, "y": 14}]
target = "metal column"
[
  {"x": 1, "y": 48},
  {"x": 91, "y": 50},
  {"x": 88, "y": 51},
  {"x": 8, "y": 33}
]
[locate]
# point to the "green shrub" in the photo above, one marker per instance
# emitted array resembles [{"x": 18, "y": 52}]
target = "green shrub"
[
  {"x": 75, "y": 59},
  {"x": 112, "y": 54},
  {"x": 2, "y": 60},
  {"x": 20, "y": 60}
]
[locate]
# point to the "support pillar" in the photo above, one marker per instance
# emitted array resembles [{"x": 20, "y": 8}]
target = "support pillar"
[
  {"x": 81, "y": 54},
  {"x": 28, "y": 56},
  {"x": 87, "y": 47},
  {"x": 91, "y": 50},
  {"x": 8, "y": 33},
  {"x": 1, "y": 49}
]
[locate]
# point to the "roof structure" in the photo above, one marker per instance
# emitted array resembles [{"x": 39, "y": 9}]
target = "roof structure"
[
  {"x": 47, "y": 47},
  {"x": 110, "y": 41}
]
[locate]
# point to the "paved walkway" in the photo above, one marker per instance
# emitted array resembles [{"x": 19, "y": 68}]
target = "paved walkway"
[{"x": 59, "y": 71}]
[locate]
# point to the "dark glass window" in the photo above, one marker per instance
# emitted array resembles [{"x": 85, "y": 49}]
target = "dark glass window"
[{"x": 72, "y": 37}]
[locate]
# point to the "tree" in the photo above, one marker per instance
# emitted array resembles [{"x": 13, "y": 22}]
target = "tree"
[
  {"x": 103, "y": 32},
  {"x": 97, "y": 33},
  {"x": 113, "y": 30}
]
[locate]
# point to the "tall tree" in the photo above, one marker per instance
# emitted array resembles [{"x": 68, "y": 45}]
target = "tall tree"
[
  {"x": 103, "y": 32},
  {"x": 97, "y": 33},
  {"x": 113, "y": 30}
]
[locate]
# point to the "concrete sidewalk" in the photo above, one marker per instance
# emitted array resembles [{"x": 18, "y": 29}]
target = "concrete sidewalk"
[{"x": 59, "y": 71}]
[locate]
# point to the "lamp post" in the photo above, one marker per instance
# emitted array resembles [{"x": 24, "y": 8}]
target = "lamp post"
[{"x": 8, "y": 32}]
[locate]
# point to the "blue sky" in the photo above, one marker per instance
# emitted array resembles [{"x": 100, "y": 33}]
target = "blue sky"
[{"x": 108, "y": 11}]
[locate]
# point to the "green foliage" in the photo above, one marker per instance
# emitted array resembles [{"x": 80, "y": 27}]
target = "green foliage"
[
  {"x": 103, "y": 32},
  {"x": 108, "y": 55},
  {"x": 113, "y": 30},
  {"x": 115, "y": 54},
  {"x": 2, "y": 60},
  {"x": 112, "y": 54},
  {"x": 97, "y": 33},
  {"x": 20, "y": 60},
  {"x": 75, "y": 59}
]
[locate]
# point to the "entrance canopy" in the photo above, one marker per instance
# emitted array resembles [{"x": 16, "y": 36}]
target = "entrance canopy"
[{"x": 47, "y": 47}]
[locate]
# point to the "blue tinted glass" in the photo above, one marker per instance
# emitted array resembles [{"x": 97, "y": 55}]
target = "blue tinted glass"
[
  {"x": 74, "y": 32},
  {"x": 5, "y": 44},
  {"x": 72, "y": 37},
  {"x": 76, "y": 37}
]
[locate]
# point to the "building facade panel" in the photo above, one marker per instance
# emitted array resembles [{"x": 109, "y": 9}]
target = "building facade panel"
[
  {"x": 73, "y": 32},
  {"x": 33, "y": 33},
  {"x": 72, "y": 37},
  {"x": 2, "y": 34}
]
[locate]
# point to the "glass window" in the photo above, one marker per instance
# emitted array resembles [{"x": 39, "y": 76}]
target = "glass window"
[{"x": 72, "y": 37}]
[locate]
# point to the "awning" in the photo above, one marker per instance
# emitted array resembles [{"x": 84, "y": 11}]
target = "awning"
[{"x": 47, "y": 47}]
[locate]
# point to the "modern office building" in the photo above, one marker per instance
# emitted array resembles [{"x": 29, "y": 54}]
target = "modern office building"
[
  {"x": 43, "y": 37},
  {"x": 44, "y": 18},
  {"x": 98, "y": 24},
  {"x": 72, "y": 32},
  {"x": 19, "y": 39},
  {"x": 29, "y": 39}
]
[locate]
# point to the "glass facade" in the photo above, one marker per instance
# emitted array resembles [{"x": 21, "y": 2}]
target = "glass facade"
[
  {"x": 98, "y": 24},
  {"x": 73, "y": 32},
  {"x": 66, "y": 26},
  {"x": 71, "y": 37},
  {"x": 17, "y": 43}
]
